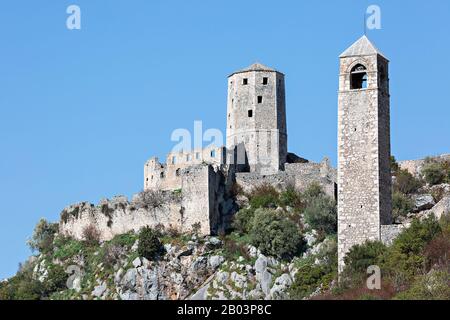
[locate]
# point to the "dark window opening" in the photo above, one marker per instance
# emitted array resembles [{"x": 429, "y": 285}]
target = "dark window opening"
[
  {"x": 177, "y": 172},
  {"x": 162, "y": 175},
  {"x": 358, "y": 77},
  {"x": 250, "y": 113},
  {"x": 265, "y": 80},
  {"x": 245, "y": 81},
  {"x": 259, "y": 99}
]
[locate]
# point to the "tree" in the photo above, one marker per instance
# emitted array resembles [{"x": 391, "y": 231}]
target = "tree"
[{"x": 43, "y": 235}]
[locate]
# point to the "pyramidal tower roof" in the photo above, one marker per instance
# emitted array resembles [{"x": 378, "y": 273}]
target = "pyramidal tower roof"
[
  {"x": 255, "y": 67},
  {"x": 362, "y": 47}
]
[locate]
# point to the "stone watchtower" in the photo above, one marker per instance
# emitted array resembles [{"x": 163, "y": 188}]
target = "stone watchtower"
[
  {"x": 364, "y": 179},
  {"x": 256, "y": 118}
]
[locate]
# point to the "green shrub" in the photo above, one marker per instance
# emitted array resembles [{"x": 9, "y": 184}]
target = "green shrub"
[
  {"x": 291, "y": 197},
  {"x": 360, "y": 257},
  {"x": 242, "y": 221},
  {"x": 307, "y": 280},
  {"x": 401, "y": 205},
  {"x": 313, "y": 191},
  {"x": 321, "y": 214},
  {"x": 435, "y": 172},
  {"x": 264, "y": 196},
  {"x": 275, "y": 235},
  {"x": 43, "y": 235},
  {"x": 125, "y": 240},
  {"x": 405, "y": 182},
  {"x": 432, "y": 286},
  {"x": 149, "y": 245},
  {"x": 405, "y": 259},
  {"x": 56, "y": 279},
  {"x": 66, "y": 247}
]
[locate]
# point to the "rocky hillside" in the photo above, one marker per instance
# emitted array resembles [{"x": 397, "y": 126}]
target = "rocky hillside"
[{"x": 282, "y": 245}]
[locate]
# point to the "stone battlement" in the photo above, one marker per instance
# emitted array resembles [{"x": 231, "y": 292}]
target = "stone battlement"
[{"x": 168, "y": 175}]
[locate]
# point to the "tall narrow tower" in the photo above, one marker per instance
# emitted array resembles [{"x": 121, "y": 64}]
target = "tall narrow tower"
[
  {"x": 364, "y": 178},
  {"x": 256, "y": 118}
]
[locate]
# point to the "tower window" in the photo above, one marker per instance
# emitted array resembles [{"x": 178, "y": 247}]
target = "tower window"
[
  {"x": 174, "y": 160},
  {"x": 265, "y": 80},
  {"x": 245, "y": 81},
  {"x": 213, "y": 153},
  {"x": 197, "y": 155},
  {"x": 177, "y": 172},
  {"x": 162, "y": 175},
  {"x": 259, "y": 99},
  {"x": 250, "y": 113},
  {"x": 358, "y": 77}
]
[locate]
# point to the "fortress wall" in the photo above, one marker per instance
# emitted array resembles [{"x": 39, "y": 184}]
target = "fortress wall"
[
  {"x": 194, "y": 203},
  {"x": 300, "y": 175},
  {"x": 167, "y": 176}
]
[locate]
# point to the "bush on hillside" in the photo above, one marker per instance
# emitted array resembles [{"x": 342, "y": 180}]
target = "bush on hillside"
[
  {"x": 401, "y": 205},
  {"x": 436, "y": 172},
  {"x": 149, "y": 245},
  {"x": 360, "y": 257},
  {"x": 275, "y": 235},
  {"x": 404, "y": 258},
  {"x": 264, "y": 196},
  {"x": 320, "y": 210},
  {"x": 406, "y": 183},
  {"x": 242, "y": 221}
]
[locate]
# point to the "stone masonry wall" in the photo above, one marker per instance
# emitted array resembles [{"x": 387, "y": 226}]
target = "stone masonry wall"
[
  {"x": 300, "y": 175},
  {"x": 193, "y": 204},
  {"x": 259, "y": 125},
  {"x": 363, "y": 156}
]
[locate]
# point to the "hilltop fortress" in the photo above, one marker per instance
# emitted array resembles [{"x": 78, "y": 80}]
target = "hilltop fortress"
[{"x": 194, "y": 189}]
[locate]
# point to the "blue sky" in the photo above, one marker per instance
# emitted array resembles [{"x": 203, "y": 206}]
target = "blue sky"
[{"x": 82, "y": 110}]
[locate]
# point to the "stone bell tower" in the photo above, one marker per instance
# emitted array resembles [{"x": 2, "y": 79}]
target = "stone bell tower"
[
  {"x": 364, "y": 178},
  {"x": 256, "y": 118}
]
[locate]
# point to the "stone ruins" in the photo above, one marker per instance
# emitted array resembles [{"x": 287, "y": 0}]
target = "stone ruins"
[{"x": 193, "y": 189}]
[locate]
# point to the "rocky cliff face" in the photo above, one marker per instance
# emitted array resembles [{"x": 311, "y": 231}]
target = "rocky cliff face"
[{"x": 192, "y": 268}]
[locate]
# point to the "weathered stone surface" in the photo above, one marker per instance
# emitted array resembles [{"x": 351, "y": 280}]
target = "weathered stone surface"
[
  {"x": 441, "y": 208},
  {"x": 215, "y": 261},
  {"x": 423, "y": 202},
  {"x": 137, "y": 262},
  {"x": 364, "y": 175},
  {"x": 99, "y": 290},
  {"x": 280, "y": 287}
]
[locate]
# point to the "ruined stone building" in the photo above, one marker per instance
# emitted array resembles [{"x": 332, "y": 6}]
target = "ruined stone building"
[{"x": 193, "y": 189}]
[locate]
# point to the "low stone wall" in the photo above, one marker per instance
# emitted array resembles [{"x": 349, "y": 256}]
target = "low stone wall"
[
  {"x": 300, "y": 175},
  {"x": 415, "y": 166},
  {"x": 389, "y": 232}
]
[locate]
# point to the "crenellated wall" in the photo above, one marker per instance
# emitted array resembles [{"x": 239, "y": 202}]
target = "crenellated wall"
[
  {"x": 193, "y": 205},
  {"x": 167, "y": 175}
]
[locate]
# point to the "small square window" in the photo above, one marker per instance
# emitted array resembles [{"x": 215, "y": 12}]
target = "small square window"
[
  {"x": 265, "y": 80},
  {"x": 245, "y": 81},
  {"x": 259, "y": 99},
  {"x": 250, "y": 113}
]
